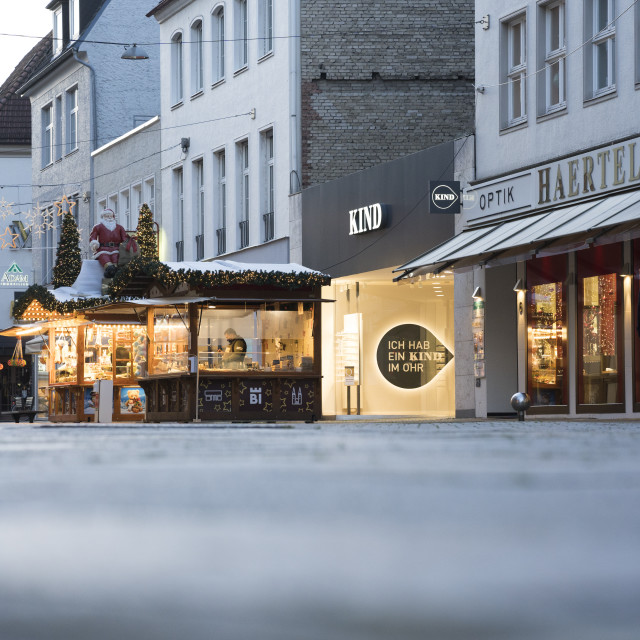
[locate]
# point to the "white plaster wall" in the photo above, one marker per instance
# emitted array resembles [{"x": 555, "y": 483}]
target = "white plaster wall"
[
  {"x": 583, "y": 125},
  {"x": 219, "y": 118}
]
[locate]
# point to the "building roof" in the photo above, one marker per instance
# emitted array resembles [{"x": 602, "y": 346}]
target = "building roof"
[
  {"x": 161, "y": 5},
  {"x": 15, "y": 111}
]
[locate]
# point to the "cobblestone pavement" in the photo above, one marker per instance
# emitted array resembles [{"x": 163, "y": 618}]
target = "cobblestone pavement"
[{"x": 328, "y": 531}]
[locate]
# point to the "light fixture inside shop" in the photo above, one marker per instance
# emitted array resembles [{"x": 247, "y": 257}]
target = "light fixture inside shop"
[
  {"x": 627, "y": 271},
  {"x": 477, "y": 294},
  {"x": 134, "y": 53},
  {"x": 519, "y": 286}
]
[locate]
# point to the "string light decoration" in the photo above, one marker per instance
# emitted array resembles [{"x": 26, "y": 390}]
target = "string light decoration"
[
  {"x": 213, "y": 279},
  {"x": 48, "y": 303},
  {"x": 146, "y": 236},
  {"x": 6, "y": 210},
  {"x": 68, "y": 258}
]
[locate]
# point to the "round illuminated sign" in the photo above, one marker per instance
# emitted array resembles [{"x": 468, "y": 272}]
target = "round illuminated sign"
[{"x": 410, "y": 356}]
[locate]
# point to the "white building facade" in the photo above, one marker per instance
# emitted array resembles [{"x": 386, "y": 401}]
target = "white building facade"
[
  {"x": 230, "y": 140},
  {"x": 547, "y": 256}
]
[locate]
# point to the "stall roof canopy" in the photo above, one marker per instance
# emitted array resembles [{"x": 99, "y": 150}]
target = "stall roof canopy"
[{"x": 512, "y": 238}]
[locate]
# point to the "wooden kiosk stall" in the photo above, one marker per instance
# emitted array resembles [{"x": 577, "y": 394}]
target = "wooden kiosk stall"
[{"x": 247, "y": 340}]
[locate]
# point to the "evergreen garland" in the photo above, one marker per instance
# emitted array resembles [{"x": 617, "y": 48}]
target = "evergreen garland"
[
  {"x": 146, "y": 235},
  {"x": 68, "y": 260}
]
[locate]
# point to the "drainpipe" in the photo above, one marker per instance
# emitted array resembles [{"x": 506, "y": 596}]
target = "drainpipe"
[
  {"x": 94, "y": 132},
  {"x": 295, "y": 175}
]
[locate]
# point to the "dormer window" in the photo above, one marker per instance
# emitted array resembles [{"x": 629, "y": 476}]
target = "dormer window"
[
  {"x": 57, "y": 30},
  {"x": 74, "y": 19}
]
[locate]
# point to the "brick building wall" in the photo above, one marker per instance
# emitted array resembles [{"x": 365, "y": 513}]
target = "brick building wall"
[{"x": 381, "y": 80}]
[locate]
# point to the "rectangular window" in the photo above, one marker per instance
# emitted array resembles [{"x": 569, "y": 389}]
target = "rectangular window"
[
  {"x": 47, "y": 135},
  {"x": 268, "y": 203},
  {"x": 241, "y": 34},
  {"x": 136, "y": 201},
  {"x": 600, "y": 33},
  {"x": 516, "y": 71},
  {"x": 178, "y": 190},
  {"x": 221, "y": 202},
  {"x": 266, "y": 26},
  {"x": 555, "y": 51},
  {"x": 72, "y": 120},
  {"x": 176, "y": 69},
  {"x": 125, "y": 207},
  {"x": 59, "y": 114},
  {"x": 197, "y": 60},
  {"x": 150, "y": 193},
  {"x": 74, "y": 19},
  {"x": 218, "y": 44},
  {"x": 243, "y": 192},
  {"x": 198, "y": 191},
  {"x": 112, "y": 203},
  {"x": 57, "y": 30}
]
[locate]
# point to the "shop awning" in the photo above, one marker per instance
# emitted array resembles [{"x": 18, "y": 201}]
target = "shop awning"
[{"x": 584, "y": 222}]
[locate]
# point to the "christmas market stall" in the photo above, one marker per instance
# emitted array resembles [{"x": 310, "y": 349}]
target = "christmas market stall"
[{"x": 184, "y": 342}]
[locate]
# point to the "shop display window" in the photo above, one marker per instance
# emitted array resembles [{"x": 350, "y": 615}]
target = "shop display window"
[
  {"x": 272, "y": 337},
  {"x": 65, "y": 355},
  {"x": 600, "y": 379},
  {"x": 635, "y": 291},
  {"x": 114, "y": 352},
  {"x": 547, "y": 335},
  {"x": 170, "y": 341}
]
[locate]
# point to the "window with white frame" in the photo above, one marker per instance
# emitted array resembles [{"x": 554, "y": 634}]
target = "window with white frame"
[
  {"x": 178, "y": 202},
  {"x": 125, "y": 208},
  {"x": 600, "y": 56},
  {"x": 197, "y": 60},
  {"x": 514, "y": 61},
  {"x": 136, "y": 200},
  {"x": 265, "y": 24},
  {"x": 47, "y": 135},
  {"x": 198, "y": 192},
  {"x": 150, "y": 193},
  {"x": 268, "y": 202},
  {"x": 221, "y": 201},
  {"x": 72, "y": 119},
  {"x": 217, "y": 21},
  {"x": 555, "y": 51},
  {"x": 176, "y": 69},
  {"x": 241, "y": 29},
  {"x": 57, "y": 30},
  {"x": 58, "y": 115},
  {"x": 112, "y": 203},
  {"x": 243, "y": 192},
  {"x": 74, "y": 19}
]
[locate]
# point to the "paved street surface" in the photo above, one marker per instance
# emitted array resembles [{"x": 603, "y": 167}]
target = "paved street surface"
[{"x": 327, "y": 531}]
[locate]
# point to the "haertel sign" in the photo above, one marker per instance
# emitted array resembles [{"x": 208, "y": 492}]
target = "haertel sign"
[{"x": 367, "y": 218}]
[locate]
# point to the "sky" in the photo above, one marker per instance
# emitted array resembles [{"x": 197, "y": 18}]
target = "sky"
[{"x": 25, "y": 18}]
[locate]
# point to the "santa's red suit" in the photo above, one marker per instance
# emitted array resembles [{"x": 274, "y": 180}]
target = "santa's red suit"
[{"x": 109, "y": 241}]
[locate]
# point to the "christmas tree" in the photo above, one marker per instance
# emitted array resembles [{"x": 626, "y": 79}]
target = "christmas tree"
[
  {"x": 68, "y": 260},
  {"x": 146, "y": 234}
]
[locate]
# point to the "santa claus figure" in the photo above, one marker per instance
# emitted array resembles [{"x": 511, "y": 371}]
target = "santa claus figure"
[{"x": 105, "y": 239}]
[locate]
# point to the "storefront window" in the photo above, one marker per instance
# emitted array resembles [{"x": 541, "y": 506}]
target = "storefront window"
[
  {"x": 600, "y": 377},
  {"x": 635, "y": 292},
  {"x": 107, "y": 345},
  {"x": 274, "y": 337},
  {"x": 65, "y": 355},
  {"x": 546, "y": 317},
  {"x": 171, "y": 341}
]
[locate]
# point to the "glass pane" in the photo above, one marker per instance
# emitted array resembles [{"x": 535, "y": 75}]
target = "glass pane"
[
  {"x": 170, "y": 344},
  {"x": 554, "y": 83},
  {"x": 546, "y": 353},
  {"x": 600, "y": 340},
  {"x": 65, "y": 356},
  {"x": 554, "y": 27},
  {"x": 602, "y": 14},
  {"x": 516, "y": 102},
  {"x": 516, "y": 52},
  {"x": 602, "y": 79}
]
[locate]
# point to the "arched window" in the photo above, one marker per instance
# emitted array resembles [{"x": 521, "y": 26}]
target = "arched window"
[
  {"x": 197, "y": 60},
  {"x": 176, "y": 68},
  {"x": 218, "y": 44}
]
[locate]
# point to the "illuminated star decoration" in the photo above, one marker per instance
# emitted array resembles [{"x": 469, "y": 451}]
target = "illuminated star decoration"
[
  {"x": 5, "y": 209},
  {"x": 60, "y": 205},
  {"x": 11, "y": 241}
]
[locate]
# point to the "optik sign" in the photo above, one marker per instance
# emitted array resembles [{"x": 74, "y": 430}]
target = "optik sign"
[{"x": 444, "y": 197}]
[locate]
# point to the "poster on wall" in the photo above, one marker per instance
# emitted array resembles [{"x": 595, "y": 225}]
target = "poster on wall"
[
  {"x": 132, "y": 400},
  {"x": 410, "y": 356},
  {"x": 477, "y": 328}
]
